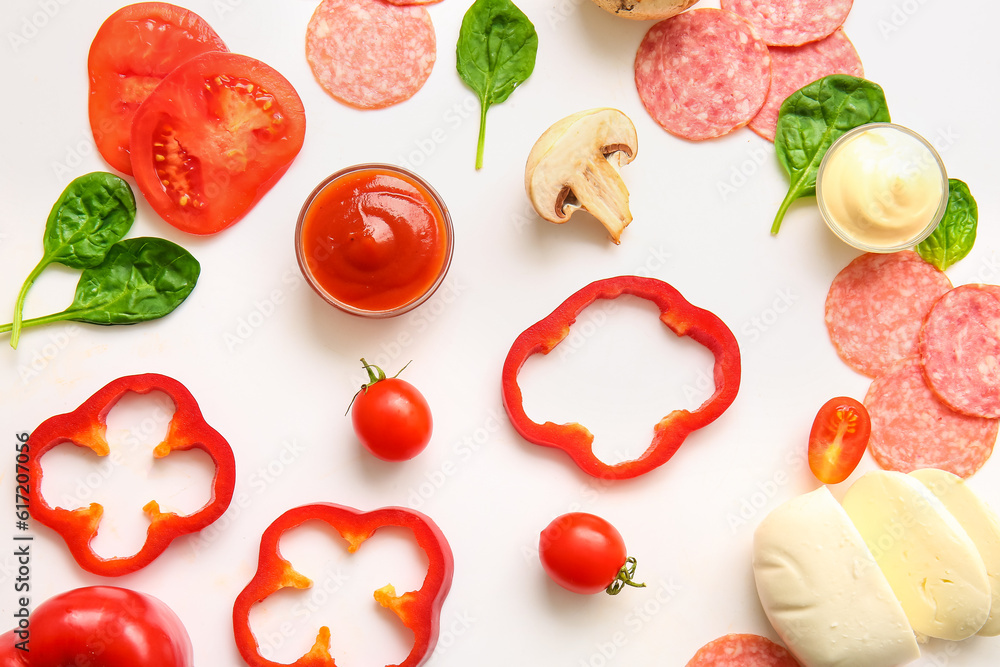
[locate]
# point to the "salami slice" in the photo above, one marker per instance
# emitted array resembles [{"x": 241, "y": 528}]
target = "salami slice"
[
  {"x": 370, "y": 54},
  {"x": 703, "y": 73},
  {"x": 793, "y": 67},
  {"x": 742, "y": 651},
  {"x": 792, "y": 22},
  {"x": 960, "y": 351},
  {"x": 912, "y": 429},
  {"x": 403, "y": 3},
  {"x": 876, "y": 306}
]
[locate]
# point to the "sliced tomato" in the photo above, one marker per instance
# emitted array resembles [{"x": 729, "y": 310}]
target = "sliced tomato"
[
  {"x": 838, "y": 439},
  {"x": 135, "y": 48},
  {"x": 213, "y": 138}
]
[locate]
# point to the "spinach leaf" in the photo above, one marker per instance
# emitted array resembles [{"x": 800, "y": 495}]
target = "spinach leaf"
[
  {"x": 140, "y": 279},
  {"x": 815, "y": 116},
  {"x": 496, "y": 52},
  {"x": 93, "y": 213},
  {"x": 955, "y": 235}
]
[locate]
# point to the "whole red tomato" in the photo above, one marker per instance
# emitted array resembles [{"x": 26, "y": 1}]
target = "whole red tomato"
[
  {"x": 391, "y": 417},
  {"x": 101, "y": 626},
  {"x": 838, "y": 439},
  {"x": 586, "y": 554}
]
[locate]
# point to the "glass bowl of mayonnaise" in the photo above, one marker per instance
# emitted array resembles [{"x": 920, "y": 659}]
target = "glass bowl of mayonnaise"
[{"x": 882, "y": 187}]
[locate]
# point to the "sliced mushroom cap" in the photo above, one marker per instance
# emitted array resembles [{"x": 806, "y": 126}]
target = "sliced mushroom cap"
[
  {"x": 574, "y": 165},
  {"x": 645, "y": 10}
]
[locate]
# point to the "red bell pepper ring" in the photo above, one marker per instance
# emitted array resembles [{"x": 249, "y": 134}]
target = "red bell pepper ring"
[
  {"x": 86, "y": 427},
  {"x": 100, "y": 626},
  {"x": 668, "y": 435},
  {"x": 419, "y": 610}
]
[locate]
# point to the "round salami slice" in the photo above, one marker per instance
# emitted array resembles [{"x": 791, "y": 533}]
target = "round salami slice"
[
  {"x": 793, "y": 67},
  {"x": 703, "y": 73},
  {"x": 876, "y": 306},
  {"x": 370, "y": 54},
  {"x": 912, "y": 429},
  {"x": 960, "y": 351},
  {"x": 792, "y": 22},
  {"x": 742, "y": 651}
]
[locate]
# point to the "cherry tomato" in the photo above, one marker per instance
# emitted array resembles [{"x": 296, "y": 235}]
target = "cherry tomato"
[
  {"x": 391, "y": 417},
  {"x": 585, "y": 554},
  {"x": 103, "y": 626},
  {"x": 213, "y": 138},
  {"x": 838, "y": 439},
  {"x": 133, "y": 51}
]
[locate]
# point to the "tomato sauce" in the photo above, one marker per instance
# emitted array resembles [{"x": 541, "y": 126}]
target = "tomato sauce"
[{"x": 375, "y": 238}]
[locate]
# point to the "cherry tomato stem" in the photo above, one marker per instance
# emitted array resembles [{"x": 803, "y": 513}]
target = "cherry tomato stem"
[{"x": 624, "y": 578}]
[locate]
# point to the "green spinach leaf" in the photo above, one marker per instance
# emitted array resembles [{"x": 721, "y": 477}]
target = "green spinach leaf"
[
  {"x": 815, "y": 116},
  {"x": 955, "y": 235},
  {"x": 140, "y": 279},
  {"x": 93, "y": 213},
  {"x": 496, "y": 52}
]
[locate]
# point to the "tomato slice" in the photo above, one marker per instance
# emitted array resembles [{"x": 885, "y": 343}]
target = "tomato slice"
[
  {"x": 838, "y": 439},
  {"x": 213, "y": 138},
  {"x": 135, "y": 48}
]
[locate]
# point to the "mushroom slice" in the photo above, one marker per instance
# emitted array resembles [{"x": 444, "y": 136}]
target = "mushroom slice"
[{"x": 574, "y": 165}]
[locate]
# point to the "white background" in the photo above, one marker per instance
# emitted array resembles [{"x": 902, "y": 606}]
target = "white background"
[{"x": 274, "y": 368}]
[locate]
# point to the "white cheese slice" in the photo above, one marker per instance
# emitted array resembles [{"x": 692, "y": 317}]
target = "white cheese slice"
[
  {"x": 931, "y": 563},
  {"x": 980, "y": 522},
  {"x": 822, "y": 590}
]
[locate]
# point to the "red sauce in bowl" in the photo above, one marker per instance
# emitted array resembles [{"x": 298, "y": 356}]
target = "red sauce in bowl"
[{"x": 374, "y": 240}]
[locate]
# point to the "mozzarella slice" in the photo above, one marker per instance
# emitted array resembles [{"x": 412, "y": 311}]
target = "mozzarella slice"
[
  {"x": 931, "y": 563},
  {"x": 822, "y": 590},
  {"x": 979, "y": 521}
]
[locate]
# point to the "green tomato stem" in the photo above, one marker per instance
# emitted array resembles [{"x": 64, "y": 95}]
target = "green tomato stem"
[
  {"x": 624, "y": 578},
  {"x": 16, "y": 325}
]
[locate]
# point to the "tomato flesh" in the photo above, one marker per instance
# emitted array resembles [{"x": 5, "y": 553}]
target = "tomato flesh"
[
  {"x": 392, "y": 420},
  {"x": 213, "y": 138},
  {"x": 838, "y": 439},
  {"x": 134, "y": 49},
  {"x": 581, "y": 552}
]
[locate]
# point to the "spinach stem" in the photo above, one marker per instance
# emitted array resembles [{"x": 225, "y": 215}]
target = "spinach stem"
[
  {"x": 482, "y": 134},
  {"x": 15, "y": 329},
  {"x": 789, "y": 198},
  {"x": 36, "y": 321}
]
